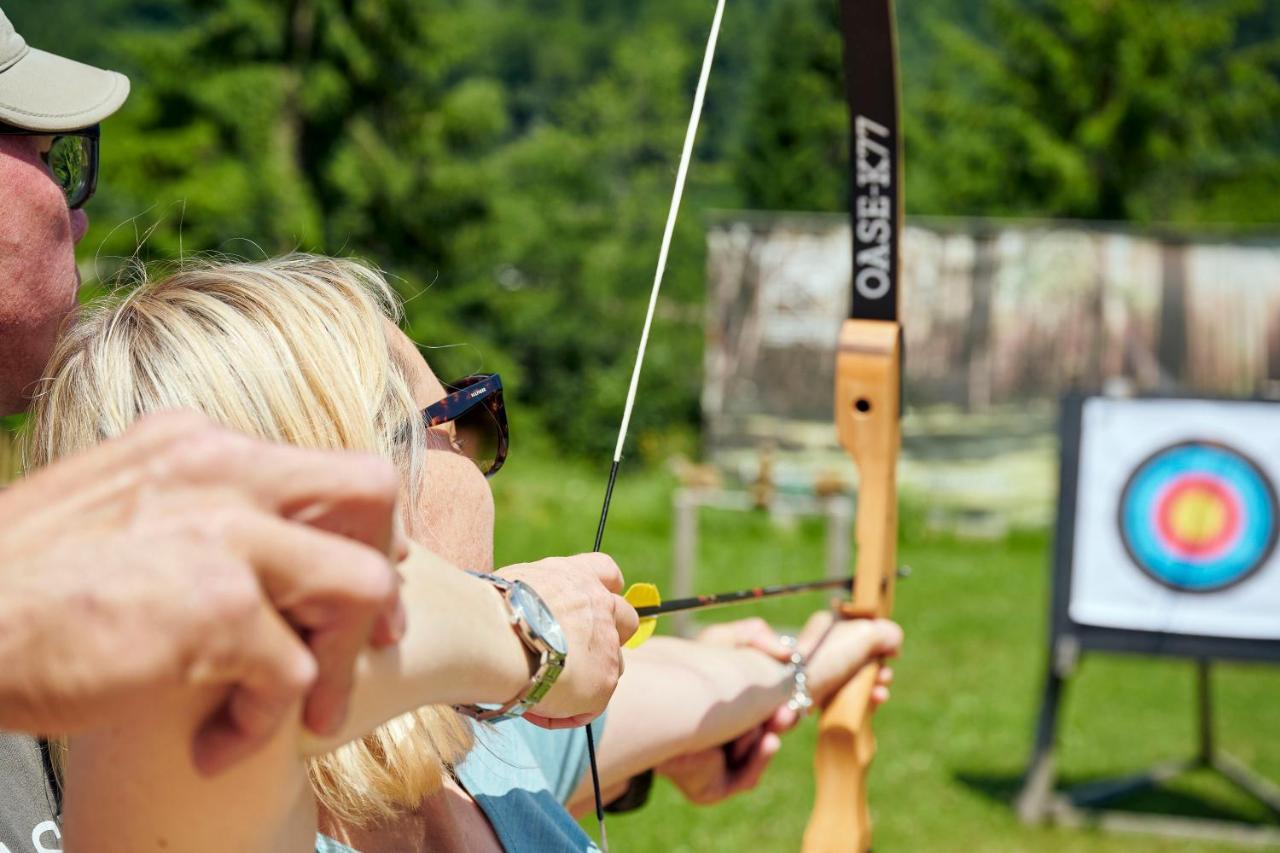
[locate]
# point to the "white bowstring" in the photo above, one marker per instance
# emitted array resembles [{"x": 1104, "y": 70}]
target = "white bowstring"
[{"x": 681, "y": 174}]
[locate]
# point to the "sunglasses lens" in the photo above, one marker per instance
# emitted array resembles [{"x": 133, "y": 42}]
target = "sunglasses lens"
[
  {"x": 476, "y": 421},
  {"x": 477, "y": 434},
  {"x": 70, "y": 158}
]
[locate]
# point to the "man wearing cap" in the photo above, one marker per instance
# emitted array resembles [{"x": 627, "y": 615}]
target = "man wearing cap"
[
  {"x": 97, "y": 605},
  {"x": 114, "y": 582}
]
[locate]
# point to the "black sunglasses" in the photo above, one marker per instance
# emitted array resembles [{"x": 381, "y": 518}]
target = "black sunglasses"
[
  {"x": 479, "y": 419},
  {"x": 72, "y": 158}
]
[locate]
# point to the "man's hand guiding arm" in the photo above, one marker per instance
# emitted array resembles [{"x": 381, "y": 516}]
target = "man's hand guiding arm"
[{"x": 182, "y": 551}]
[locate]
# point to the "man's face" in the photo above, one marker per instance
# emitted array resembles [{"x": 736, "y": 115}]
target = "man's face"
[{"x": 38, "y": 278}]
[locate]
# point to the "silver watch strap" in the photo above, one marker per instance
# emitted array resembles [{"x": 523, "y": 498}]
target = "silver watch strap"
[{"x": 550, "y": 664}]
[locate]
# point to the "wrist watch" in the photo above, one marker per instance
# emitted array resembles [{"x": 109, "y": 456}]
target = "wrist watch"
[{"x": 541, "y": 635}]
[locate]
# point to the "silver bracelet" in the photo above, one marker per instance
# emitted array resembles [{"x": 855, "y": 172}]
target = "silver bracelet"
[{"x": 797, "y": 666}]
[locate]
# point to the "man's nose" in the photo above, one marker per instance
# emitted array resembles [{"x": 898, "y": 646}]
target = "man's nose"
[{"x": 79, "y": 225}]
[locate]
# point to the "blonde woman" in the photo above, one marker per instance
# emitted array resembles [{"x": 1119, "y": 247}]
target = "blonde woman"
[{"x": 302, "y": 350}]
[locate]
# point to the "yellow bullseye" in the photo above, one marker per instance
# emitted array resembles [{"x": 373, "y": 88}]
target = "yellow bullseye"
[{"x": 1198, "y": 516}]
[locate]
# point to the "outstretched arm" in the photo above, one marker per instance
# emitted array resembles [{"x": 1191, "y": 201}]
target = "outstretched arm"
[
  {"x": 681, "y": 696},
  {"x": 134, "y": 787}
]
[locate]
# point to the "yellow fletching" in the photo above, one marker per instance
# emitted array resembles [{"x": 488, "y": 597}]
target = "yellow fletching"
[{"x": 642, "y": 595}]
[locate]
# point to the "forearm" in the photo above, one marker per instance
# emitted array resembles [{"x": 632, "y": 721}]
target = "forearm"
[
  {"x": 459, "y": 648},
  {"x": 678, "y": 696},
  {"x": 135, "y": 783}
]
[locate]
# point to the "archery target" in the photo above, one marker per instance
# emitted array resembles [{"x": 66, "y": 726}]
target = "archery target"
[
  {"x": 1198, "y": 517},
  {"x": 1177, "y": 517}
]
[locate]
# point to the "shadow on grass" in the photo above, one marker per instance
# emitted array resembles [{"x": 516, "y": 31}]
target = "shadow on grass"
[{"x": 1154, "y": 801}]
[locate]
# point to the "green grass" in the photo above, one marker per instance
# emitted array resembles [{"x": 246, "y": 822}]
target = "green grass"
[{"x": 955, "y": 736}]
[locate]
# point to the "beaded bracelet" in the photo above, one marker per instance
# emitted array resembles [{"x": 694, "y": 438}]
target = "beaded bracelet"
[{"x": 801, "y": 700}]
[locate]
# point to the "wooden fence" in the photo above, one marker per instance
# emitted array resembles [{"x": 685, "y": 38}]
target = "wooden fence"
[{"x": 996, "y": 314}]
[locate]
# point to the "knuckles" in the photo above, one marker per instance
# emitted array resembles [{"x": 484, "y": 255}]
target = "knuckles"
[
  {"x": 230, "y": 600},
  {"x": 161, "y": 428},
  {"x": 187, "y": 448},
  {"x": 206, "y": 454},
  {"x": 608, "y": 572},
  {"x": 217, "y": 524}
]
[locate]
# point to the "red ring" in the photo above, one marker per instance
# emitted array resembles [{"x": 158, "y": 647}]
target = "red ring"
[{"x": 1222, "y": 540}]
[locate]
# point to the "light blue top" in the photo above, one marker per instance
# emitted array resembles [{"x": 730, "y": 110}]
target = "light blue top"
[{"x": 521, "y": 776}]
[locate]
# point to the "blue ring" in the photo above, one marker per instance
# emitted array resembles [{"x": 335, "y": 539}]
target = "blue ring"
[{"x": 1139, "y": 527}]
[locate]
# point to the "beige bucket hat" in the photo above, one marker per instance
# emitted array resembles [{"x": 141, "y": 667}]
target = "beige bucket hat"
[{"x": 43, "y": 91}]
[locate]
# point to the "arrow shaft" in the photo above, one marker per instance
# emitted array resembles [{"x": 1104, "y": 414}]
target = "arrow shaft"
[{"x": 721, "y": 599}]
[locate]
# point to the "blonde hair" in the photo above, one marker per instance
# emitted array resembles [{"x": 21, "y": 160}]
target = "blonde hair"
[{"x": 292, "y": 350}]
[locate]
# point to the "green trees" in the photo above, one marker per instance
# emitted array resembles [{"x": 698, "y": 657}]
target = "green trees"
[
  {"x": 794, "y": 152},
  {"x": 509, "y": 162},
  {"x": 1144, "y": 110},
  {"x": 1147, "y": 110}
]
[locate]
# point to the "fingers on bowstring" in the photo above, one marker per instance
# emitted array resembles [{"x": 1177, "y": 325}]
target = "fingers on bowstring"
[
  {"x": 555, "y": 723},
  {"x": 607, "y": 571},
  {"x": 625, "y": 619}
]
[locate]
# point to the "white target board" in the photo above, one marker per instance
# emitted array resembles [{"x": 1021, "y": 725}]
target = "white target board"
[{"x": 1176, "y": 517}]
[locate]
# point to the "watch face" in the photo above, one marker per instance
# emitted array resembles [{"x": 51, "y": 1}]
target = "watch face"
[{"x": 527, "y": 603}]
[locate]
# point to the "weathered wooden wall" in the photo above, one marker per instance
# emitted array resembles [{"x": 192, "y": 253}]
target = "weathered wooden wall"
[{"x": 996, "y": 313}]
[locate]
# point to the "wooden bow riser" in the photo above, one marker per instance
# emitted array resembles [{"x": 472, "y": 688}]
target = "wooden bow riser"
[{"x": 867, "y": 404}]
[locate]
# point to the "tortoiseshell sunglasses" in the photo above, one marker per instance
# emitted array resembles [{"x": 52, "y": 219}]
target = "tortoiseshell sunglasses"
[{"x": 479, "y": 419}]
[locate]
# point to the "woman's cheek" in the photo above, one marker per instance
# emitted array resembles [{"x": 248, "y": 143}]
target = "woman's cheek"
[{"x": 455, "y": 514}]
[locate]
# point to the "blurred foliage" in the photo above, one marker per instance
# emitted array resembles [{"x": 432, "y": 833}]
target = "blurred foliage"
[
  {"x": 509, "y": 163},
  {"x": 1161, "y": 111},
  {"x": 1140, "y": 110}
]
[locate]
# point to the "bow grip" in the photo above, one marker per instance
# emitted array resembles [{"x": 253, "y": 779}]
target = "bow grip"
[{"x": 867, "y": 410}]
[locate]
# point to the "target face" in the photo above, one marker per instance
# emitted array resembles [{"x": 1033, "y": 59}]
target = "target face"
[{"x": 1198, "y": 517}]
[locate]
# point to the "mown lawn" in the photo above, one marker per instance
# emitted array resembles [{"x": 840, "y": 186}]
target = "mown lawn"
[{"x": 954, "y": 738}]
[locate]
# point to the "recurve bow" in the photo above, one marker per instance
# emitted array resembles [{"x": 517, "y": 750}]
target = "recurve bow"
[{"x": 867, "y": 409}]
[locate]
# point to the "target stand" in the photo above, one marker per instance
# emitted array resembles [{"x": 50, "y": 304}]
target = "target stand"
[{"x": 1168, "y": 521}]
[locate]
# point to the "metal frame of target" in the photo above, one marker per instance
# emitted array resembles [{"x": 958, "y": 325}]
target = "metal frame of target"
[{"x": 1197, "y": 517}]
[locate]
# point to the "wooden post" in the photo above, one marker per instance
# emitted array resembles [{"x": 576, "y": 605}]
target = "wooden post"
[
  {"x": 686, "y": 556},
  {"x": 839, "y": 519}
]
